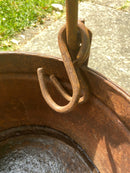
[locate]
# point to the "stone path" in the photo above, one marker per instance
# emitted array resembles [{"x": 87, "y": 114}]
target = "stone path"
[
  {"x": 110, "y": 49},
  {"x": 110, "y": 3}
]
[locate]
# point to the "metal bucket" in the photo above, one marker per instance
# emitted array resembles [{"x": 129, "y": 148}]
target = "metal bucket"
[{"x": 94, "y": 137}]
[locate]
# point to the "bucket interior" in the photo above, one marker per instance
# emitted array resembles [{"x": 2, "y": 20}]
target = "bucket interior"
[{"x": 41, "y": 149}]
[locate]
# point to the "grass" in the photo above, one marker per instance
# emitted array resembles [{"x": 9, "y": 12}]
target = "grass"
[
  {"x": 16, "y": 15},
  {"x": 125, "y": 5}
]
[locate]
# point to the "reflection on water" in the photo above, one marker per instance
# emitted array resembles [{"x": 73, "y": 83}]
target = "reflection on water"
[{"x": 39, "y": 154}]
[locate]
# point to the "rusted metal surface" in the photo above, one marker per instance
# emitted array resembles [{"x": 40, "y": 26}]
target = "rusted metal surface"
[
  {"x": 40, "y": 149},
  {"x": 100, "y": 126},
  {"x": 73, "y": 71},
  {"x": 74, "y": 43},
  {"x": 72, "y": 27}
]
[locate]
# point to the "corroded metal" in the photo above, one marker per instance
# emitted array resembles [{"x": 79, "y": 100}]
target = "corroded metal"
[
  {"x": 100, "y": 126},
  {"x": 72, "y": 26},
  {"x": 73, "y": 70},
  {"x": 41, "y": 149}
]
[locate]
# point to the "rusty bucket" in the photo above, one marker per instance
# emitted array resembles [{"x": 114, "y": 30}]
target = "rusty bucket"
[
  {"x": 93, "y": 137},
  {"x": 82, "y": 124}
]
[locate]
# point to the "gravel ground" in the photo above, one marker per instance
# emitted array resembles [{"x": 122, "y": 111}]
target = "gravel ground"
[
  {"x": 110, "y": 43},
  {"x": 111, "y": 3}
]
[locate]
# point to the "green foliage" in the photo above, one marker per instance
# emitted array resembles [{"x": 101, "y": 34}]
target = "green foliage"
[
  {"x": 125, "y": 6},
  {"x": 16, "y": 15}
]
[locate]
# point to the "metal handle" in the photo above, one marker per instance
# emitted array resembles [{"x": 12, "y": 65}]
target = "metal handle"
[
  {"x": 82, "y": 57},
  {"x": 72, "y": 26},
  {"x": 74, "y": 56},
  {"x": 73, "y": 71}
]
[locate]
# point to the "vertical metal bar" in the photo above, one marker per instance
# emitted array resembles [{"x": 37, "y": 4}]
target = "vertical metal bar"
[{"x": 71, "y": 25}]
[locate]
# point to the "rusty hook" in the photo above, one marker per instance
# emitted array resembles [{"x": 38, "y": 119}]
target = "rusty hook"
[
  {"x": 82, "y": 57},
  {"x": 72, "y": 70},
  {"x": 49, "y": 100}
]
